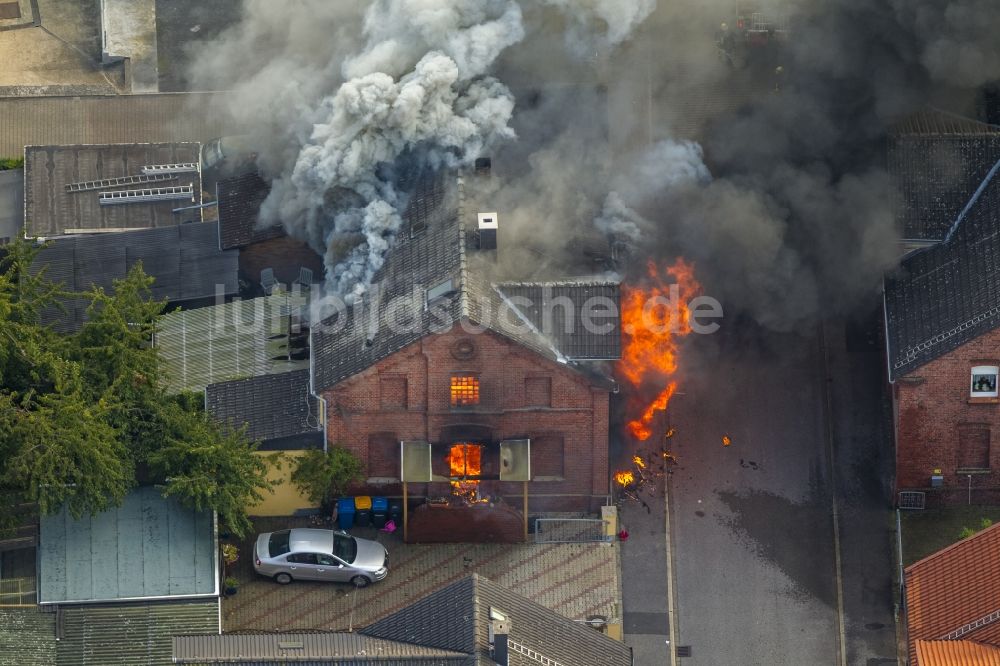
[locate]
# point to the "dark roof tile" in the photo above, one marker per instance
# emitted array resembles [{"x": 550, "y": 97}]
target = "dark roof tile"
[
  {"x": 240, "y": 198},
  {"x": 273, "y": 407}
]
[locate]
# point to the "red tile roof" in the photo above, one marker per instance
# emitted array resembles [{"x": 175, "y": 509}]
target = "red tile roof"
[
  {"x": 954, "y": 588},
  {"x": 956, "y": 653}
]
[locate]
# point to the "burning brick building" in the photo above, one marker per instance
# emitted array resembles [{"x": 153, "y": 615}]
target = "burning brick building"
[
  {"x": 438, "y": 356},
  {"x": 942, "y": 312}
]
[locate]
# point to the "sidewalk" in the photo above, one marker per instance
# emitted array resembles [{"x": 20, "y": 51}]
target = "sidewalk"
[{"x": 644, "y": 578}]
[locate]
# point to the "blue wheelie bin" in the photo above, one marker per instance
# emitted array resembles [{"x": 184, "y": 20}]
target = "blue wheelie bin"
[
  {"x": 380, "y": 511},
  {"x": 345, "y": 513}
]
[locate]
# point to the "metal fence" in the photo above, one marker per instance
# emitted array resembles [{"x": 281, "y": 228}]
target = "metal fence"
[
  {"x": 571, "y": 530},
  {"x": 17, "y": 592}
]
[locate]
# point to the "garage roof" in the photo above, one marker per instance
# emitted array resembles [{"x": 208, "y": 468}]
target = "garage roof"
[{"x": 151, "y": 547}]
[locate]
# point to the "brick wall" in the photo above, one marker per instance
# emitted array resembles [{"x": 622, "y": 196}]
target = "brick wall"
[
  {"x": 935, "y": 418},
  {"x": 366, "y": 411}
]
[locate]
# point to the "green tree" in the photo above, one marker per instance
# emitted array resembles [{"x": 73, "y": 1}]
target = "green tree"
[
  {"x": 325, "y": 475},
  {"x": 80, "y": 413},
  {"x": 206, "y": 466}
]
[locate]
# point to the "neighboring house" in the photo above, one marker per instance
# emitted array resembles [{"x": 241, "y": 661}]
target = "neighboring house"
[
  {"x": 942, "y": 318},
  {"x": 953, "y": 603},
  {"x": 79, "y": 188},
  {"x": 436, "y": 352},
  {"x": 936, "y": 161},
  {"x": 471, "y": 622},
  {"x": 278, "y": 411}
]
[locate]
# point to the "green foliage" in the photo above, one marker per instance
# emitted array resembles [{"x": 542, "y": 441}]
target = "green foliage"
[
  {"x": 325, "y": 475},
  {"x": 81, "y": 413},
  {"x": 969, "y": 531},
  {"x": 11, "y": 163}
]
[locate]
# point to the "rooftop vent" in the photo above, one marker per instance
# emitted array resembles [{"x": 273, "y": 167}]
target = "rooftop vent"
[{"x": 487, "y": 231}]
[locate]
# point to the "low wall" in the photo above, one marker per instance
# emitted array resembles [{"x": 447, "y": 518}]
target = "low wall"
[{"x": 478, "y": 523}]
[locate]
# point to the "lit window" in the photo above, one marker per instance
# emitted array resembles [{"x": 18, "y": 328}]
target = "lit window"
[
  {"x": 464, "y": 390},
  {"x": 984, "y": 381}
]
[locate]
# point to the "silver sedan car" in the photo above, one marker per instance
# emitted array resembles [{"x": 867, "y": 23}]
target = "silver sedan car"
[{"x": 311, "y": 554}]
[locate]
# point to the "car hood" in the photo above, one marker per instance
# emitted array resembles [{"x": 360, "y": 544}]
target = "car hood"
[{"x": 371, "y": 554}]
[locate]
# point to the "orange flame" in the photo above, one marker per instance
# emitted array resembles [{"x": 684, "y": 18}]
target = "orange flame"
[
  {"x": 653, "y": 318},
  {"x": 726, "y": 441},
  {"x": 465, "y": 460},
  {"x": 639, "y": 462},
  {"x": 624, "y": 478}
]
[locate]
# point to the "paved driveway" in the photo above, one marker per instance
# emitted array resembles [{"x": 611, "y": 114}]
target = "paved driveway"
[{"x": 575, "y": 580}]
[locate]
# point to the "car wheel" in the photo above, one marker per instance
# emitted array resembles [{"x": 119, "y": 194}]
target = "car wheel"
[
  {"x": 361, "y": 581},
  {"x": 283, "y": 579}
]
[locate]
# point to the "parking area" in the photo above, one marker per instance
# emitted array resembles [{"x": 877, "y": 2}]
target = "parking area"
[{"x": 575, "y": 580}]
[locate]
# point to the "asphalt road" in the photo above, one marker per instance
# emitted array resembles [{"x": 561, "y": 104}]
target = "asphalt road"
[{"x": 754, "y": 554}]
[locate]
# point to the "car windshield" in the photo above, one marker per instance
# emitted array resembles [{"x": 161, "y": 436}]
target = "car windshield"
[
  {"x": 345, "y": 547},
  {"x": 278, "y": 543}
]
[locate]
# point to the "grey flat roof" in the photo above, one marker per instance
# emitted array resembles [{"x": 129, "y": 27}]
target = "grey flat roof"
[
  {"x": 51, "y": 210},
  {"x": 150, "y": 547},
  {"x": 11, "y": 203},
  {"x": 326, "y": 647}
]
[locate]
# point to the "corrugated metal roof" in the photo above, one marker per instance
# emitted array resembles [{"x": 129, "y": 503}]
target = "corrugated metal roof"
[
  {"x": 334, "y": 647},
  {"x": 133, "y": 634},
  {"x": 27, "y": 637},
  {"x": 956, "y": 653},
  {"x": 270, "y": 406},
  {"x": 948, "y": 294},
  {"x": 219, "y": 343},
  {"x": 50, "y": 209},
  {"x": 185, "y": 261},
  {"x": 953, "y": 590},
  {"x": 150, "y": 546},
  {"x": 37, "y": 121}
]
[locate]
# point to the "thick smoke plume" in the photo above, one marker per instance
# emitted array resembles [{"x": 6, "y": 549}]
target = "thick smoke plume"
[{"x": 608, "y": 117}]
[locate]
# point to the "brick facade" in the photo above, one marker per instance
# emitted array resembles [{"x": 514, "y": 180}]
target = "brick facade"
[
  {"x": 522, "y": 395},
  {"x": 938, "y": 426}
]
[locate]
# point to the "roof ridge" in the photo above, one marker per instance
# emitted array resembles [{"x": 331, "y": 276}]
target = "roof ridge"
[
  {"x": 463, "y": 266},
  {"x": 975, "y": 198},
  {"x": 960, "y": 543}
]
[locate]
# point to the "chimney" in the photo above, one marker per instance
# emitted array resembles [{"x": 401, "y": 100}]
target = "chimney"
[
  {"x": 499, "y": 631},
  {"x": 487, "y": 231}
]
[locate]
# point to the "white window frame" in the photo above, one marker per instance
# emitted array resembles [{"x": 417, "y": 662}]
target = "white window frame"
[{"x": 985, "y": 370}]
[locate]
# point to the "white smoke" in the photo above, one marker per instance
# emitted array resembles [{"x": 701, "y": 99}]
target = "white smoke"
[{"x": 656, "y": 171}]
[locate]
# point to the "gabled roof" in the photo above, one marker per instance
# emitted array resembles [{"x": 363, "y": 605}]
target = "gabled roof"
[
  {"x": 316, "y": 647},
  {"x": 240, "y": 198},
  {"x": 936, "y": 161},
  {"x": 956, "y": 653},
  {"x": 955, "y": 593},
  {"x": 51, "y": 172},
  {"x": 948, "y": 294},
  {"x": 277, "y": 409},
  {"x": 457, "y": 618},
  {"x": 185, "y": 260},
  {"x": 434, "y": 278}
]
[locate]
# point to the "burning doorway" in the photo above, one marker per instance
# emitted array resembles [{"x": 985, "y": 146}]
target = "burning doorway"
[{"x": 465, "y": 470}]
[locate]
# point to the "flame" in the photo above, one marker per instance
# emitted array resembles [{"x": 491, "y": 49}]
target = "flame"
[
  {"x": 726, "y": 441},
  {"x": 624, "y": 478},
  {"x": 654, "y": 316},
  {"x": 639, "y": 462},
  {"x": 465, "y": 460}
]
